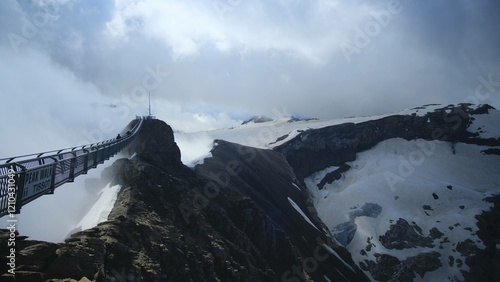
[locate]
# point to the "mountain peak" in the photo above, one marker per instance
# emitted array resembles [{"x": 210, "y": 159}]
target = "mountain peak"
[
  {"x": 334, "y": 200},
  {"x": 155, "y": 144},
  {"x": 257, "y": 119}
]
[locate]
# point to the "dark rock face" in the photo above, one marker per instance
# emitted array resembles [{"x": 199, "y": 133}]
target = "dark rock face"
[
  {"x": 434, "y": 233},
  {"x": 266, "y": 177},
  {"x": 485, "y": 264},
  {"x": 334, "y": 175},
  {"x": 390, "y": 268},
  {"x": 317, "y": 149},
  {"x": 161, "y": 229},
  {"x": 492, "y": 151},
  {"x": 39, "y": 255},
  {"x": 155, "y": 145},
  {"x": 384, "y": 267},
  {"x": 402, "y": 235},
  {"x": 258, "y": 119},
  {"x": 245, "y": 215},
  {"x": 423, "y": 263}
]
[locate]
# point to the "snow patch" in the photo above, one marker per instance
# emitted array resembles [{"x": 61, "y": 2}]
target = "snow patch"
[
  {"x": 486, "y": 125},
  {"x": 318, "y": 176},
  {"x": 295, "y": 185},
  {"x": 201, "y": 160},
  {"x": 101, "y": 209},
  {"x": 314, "y": 179},
  {"x": 50, "y": 217},
  {"x": 299, "y": 210},
  {"x": 420, "y": 111},
  {"x": 194, "y": 145}
]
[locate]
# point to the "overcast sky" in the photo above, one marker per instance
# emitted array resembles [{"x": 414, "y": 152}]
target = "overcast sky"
[{"x": 211, "y": 64}]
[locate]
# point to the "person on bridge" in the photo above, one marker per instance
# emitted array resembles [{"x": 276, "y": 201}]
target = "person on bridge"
[{"x": 118, "y": 136}]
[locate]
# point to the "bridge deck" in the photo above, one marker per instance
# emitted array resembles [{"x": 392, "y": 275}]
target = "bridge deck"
[{"x": 26, "y": 178}]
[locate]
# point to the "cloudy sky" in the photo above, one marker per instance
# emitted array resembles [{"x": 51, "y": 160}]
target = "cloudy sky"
[{"x": 211, "y": 64}]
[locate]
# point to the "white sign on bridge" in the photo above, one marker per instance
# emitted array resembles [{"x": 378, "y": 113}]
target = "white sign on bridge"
[{"x": 37, "y": 181}]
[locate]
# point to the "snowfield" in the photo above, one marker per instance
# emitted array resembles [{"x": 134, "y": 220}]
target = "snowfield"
[
  {"x": 100, "y": 210},
  {"x": 486, "y": 125},
  {"x": 436, "y": 187},
  {"x": 432, "y": 185},
  {"x": 267, "y": 135},
  {"x": 451, "y": 186}
]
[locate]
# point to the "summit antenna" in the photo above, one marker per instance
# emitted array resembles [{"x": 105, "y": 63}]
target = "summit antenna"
[{"x": 149, "y": 108}]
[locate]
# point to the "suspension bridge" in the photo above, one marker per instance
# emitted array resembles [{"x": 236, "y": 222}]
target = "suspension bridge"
[{"x": 26, "y": 178}]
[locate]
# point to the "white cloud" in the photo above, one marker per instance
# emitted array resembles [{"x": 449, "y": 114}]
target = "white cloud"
[
  {"x": 192, "y": 120},
  {"x": 256, "y": 56},
  {"x": 49, "y": 107},
  {"x": 309, "y": 30}
]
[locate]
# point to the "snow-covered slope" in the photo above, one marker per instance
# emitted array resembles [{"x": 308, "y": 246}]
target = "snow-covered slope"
[
  {"x": 100, "y": 209},
  {"x": 422, "y": 182},
  {"x": 270, "y": 134},
  {"x": 404, "y": 203},
  {"x": 486, "y": 125},
  {"x": 73, "y": 207}
]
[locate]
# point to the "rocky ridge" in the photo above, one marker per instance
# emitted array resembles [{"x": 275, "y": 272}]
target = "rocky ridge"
[
  {"x": 159, "y": 231},
  {"x": 245, "y": 214},
  {"x": 266, "y": 178},
  {"x": 316, "y": 149}
]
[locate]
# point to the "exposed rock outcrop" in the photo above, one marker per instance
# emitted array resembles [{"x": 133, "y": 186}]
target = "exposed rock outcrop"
[
  {"x": 390, "y": 268},
  {"x": 266, "y": 177},
  {"x": 245, "y": 214},
  {"x": 155, "y": 145},
  {"x": 484, "y": 263},
  {"x": 257, "y": 119},
  {"x": 317, "y": 149},
  {"x": 159, "y": 231},
  {"x": 403, "y": 235}
]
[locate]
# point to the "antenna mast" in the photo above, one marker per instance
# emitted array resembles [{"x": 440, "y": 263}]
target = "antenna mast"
[{"x": 149, "y": 108}]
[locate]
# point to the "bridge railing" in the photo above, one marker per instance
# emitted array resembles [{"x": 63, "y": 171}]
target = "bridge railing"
[{"x": 26, "y": 178}]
